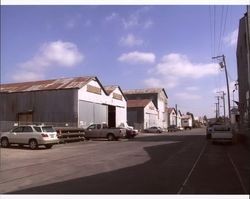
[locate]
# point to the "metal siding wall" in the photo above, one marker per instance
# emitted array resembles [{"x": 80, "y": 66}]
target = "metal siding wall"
[
  {"x": 121, "y": 115},
  {"x": 101, "y": 113},
  {"x": 48, "y": 106},
  {"x": 92, "y": 113}
]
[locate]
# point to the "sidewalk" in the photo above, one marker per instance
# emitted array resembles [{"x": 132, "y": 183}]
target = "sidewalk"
[{"x": 240, "y": 153}]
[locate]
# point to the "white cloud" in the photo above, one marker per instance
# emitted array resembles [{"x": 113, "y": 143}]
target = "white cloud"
[
  {"x": 179, "y": 66},
  {"x": 87, "y": 23},
  {"x": 130, "y": 40},
  {"x": 111, "y": 17},
  {"x": 58, "y": 53},
  {"x": 224, "y": 88},
  {"x": 153, "y": 82},
  {"x": 173, "y": 68},
  {"x": 53, "y": 54},
  {"x": 192, "y": 88},
  {"x": 73, "y": 21},
  {"x": 188, "y": 96},
  {"x": 23, "y": 76},
  {"x": 137, "y": 57},
  {"x": 161, "y": 82},
  {"x": 137, "y": 18},
  {"x": 231, "y": 38},
  {"x": 148, "y": 23}
]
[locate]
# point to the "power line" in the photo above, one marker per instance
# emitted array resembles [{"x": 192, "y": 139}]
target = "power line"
[
  {"x": 221, "y": 23},
  {"x": 224, "y": 27},
  {"x": 211, "y": 34},
  {"x": 214, "y": 27}
]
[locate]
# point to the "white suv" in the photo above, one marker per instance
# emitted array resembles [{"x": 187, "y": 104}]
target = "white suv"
[{"x": 32, "y": 135}]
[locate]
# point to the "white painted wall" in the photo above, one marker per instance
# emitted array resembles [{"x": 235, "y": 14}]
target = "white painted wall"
[
  {"x": 121, "y": 115},
  {"x": 83, "y": 94},
  {"x": 172, "y": 118},
  {"x": 162, "y": 107},
  {"x": 179, "y": 120},
  {"x": 121, "y": 105},
  {"x": 150, "y": 116}
]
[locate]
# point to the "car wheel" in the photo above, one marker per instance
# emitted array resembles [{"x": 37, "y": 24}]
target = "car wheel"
[
  {"x": 110, "y": 137},
  {"x": 5, "y": 142},
  {"x": 33, "y": 144},
  {"x": 48, "y": 146}
]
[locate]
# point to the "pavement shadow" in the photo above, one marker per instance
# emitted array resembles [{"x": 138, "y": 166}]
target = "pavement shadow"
[
  {"x": 23, "y": 147},
  {"x": 162, "y": 174}
]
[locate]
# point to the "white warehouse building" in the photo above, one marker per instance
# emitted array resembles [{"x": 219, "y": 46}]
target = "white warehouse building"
[{"x": 76, "y": 102}]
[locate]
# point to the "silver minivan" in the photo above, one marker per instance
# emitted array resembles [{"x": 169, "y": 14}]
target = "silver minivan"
[{"x": 32, "y": 135}]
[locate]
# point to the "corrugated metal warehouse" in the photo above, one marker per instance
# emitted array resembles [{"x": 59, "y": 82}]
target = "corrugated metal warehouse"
[
  {"x": 159, "y": 99},
  {"x": 74, "y": 102},
  {"x": 142, "y": 113}
]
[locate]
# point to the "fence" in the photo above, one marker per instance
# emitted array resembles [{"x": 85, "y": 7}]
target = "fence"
[{"x": 7, "y": 125}]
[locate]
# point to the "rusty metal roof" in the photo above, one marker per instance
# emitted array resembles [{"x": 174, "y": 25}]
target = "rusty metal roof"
[
  {"x": 55, "y": 84},
  {"x": 144, "y": 91},
  {"x": 170, "y": 110},
  {"x": 110, "y": 89},
  {"x": 140, "y": 103}
]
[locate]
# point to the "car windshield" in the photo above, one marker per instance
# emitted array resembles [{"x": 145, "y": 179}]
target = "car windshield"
[{"x": 48, "y": 129}]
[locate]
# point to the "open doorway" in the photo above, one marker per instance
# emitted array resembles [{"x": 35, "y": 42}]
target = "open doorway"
[{"x": 111, "y": 116}]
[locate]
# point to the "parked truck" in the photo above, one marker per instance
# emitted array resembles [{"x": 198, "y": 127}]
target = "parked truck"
[
  {"x": 186, "y": 123},
  {"x": 130, "y": 131},
  {"x": 103, "y": 131}
]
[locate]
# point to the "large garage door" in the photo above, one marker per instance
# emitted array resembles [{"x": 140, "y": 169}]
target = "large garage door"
[
  {"x": 25, "y": 118},
  {"x": 92, "y": 113},
  {"x": 151, "y": 120}
]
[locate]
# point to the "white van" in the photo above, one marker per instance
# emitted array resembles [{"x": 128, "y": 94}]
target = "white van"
[{"x": 221, "y": 133}]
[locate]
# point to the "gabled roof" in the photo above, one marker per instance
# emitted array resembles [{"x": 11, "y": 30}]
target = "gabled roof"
[
  {"x": 54, "y": 84},
  {"x": 140, "y": 103},
  {"x": 109, "y": 89},
  {"x": 170, "y": 110},
  {"x": 145, "y": 91}
]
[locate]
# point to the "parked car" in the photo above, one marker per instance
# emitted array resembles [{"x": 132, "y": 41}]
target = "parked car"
[
  {"x": 208, "y": 132},
  {"x": 32, "y": 135},
  {"x": 153, "y": 129},
  {"x": 103, "y": 131},
  {"x": 173, "y": 128}
]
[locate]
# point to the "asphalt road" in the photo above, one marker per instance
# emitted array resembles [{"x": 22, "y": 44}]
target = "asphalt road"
[{"x": 169, "y": 163}]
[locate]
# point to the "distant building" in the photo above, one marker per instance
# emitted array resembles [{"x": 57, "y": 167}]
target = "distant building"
[
  {"x": 141, "y": 113},
  {"x": 243, "y": 65},
  {"x": 76, "y": 102},
  {"x": 172, "y": 117},
  {"x": 158, "y": 97},
  {"x": 179, "y": 116}
]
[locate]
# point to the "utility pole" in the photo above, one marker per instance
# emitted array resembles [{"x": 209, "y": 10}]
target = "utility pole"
[
  {"x": 223, "y": 65},
  {"x": 224, "y": 106},
  {"x": 216, "y": 110},
  {"x": 176, "y": 120},
  {"x": 218, "y": 104}
]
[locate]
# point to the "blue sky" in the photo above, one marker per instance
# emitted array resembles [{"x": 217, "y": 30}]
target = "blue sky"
[{"x": 130, "y": 46}]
